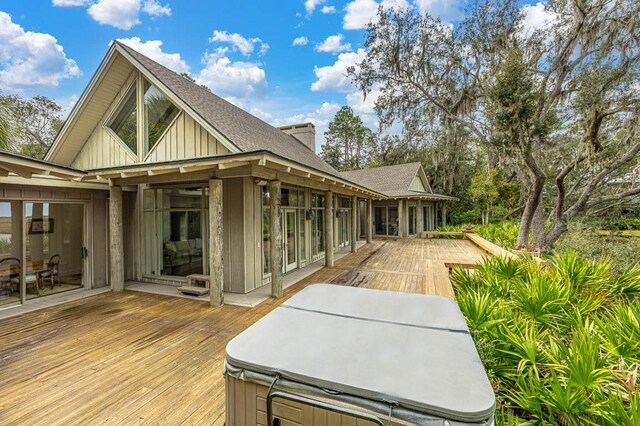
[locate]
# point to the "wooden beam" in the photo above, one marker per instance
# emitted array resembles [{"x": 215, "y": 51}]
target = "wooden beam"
[
  {"x": 328, "y": 228},
  {"x": 216, "y": 271},
  {"x": 196, "y": 168},
  {"x": 419, "y": 217},
  {"x": 20, "y": 171},
  {"x": 275, "y": 202},
  {"x": 401, "y": 219},
  {"x": 225, "y": 166},
  {"x": 354, "y": 224},
  {"x": 116, "y": 239},
  {"x": 369, "y": 220}
]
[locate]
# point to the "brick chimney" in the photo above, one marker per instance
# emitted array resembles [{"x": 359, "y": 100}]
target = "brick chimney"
[{"x": 304, "y": 132}]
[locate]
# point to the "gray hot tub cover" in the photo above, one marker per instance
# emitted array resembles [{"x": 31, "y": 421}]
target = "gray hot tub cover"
[{"x": 411, "y": 349}]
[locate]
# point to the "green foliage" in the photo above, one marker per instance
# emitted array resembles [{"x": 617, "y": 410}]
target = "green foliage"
[
  {"x": 348, "y": 141},
  {"x": 619, "y": 251},
  {"x": 560, "y": 339},
  {"x": 28, "y": 126}
]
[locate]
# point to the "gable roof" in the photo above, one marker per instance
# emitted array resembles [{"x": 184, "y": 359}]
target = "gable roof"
[
  {"x": 393, "y": 181},
  {"x": 238, "y": 128}
]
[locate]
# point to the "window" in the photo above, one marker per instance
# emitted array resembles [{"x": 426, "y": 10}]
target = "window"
[
  {"x": 124, "y": 124},
  {"x": 175, "y": 223},
  {"x": 159, "y": 112}
]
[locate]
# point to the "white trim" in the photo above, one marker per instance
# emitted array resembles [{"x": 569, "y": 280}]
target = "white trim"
[{"x": 98, "y": 76}]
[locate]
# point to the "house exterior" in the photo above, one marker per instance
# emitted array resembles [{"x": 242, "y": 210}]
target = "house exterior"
[
  {"x": 409, "y": 205},
  {"x": 153, "y": 178}
]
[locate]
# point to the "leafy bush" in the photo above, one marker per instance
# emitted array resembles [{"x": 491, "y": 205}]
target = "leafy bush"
[
  {"x": 620, "y": 251},
  {"x": 560, "y": 339},
  {"x": 505, "y": 234}
]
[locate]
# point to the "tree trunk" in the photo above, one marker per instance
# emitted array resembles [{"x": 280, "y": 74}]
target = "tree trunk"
[
  {"x": 537, "y": 224},
  {"x": 530, "y": 207}
]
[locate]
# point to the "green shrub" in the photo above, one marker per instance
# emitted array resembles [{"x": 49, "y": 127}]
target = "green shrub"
[{"x": 560, "y": 339}]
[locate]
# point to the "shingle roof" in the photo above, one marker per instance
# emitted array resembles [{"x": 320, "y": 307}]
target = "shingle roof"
[
  {"x": 392, "y": 181},
  {"x": 247, "y": 132},
  {"x": 386, "y": 178}
]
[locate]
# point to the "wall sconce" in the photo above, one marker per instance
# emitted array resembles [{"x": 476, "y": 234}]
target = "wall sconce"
[{"x": 310, "y": 214}]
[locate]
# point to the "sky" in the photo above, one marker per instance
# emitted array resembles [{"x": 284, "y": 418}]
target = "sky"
[{"x": 284, "y": 61}]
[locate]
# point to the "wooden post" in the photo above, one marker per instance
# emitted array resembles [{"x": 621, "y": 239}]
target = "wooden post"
[
  {"x": 369, "y": 220},
  {"x": 275, "y": 201},
  {"x": 354, "y": 224},
  {"x": 216, "y": 271},
  {"x": 400, "y": 219},
  {"x": 444, "y": 214},
  {"x": 328, "y": 228},
  {"x": 116, "y": 239},
  {"x": 419, "y": 218}
]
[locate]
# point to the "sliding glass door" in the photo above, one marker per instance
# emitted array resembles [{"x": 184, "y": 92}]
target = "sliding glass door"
[
  {"x": 54, "y": 248},
  {"x": 10, "y": 251}
]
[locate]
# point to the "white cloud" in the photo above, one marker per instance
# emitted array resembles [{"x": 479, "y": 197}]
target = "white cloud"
[
  {"x": 122, "y": 14},
  {"x": 334, "y": 77},
  {"x": 446, "y": 10},
  {"x": 153, "y": 49},
  {"x": 154, "y": 8},
  {"x": 536, "y": 17},
  {"x": 232, "y": 80},
  {"x": 31, "y": 59},
  {"x": 333, "y": 44},
  {"x": 360, "y": 104},
  {"x": 300, "y": 41},
  {"x": 360, "y": 12},
  {"x": 67, "y": 103},
  {"x": 69, "y": 3},
  {"x": 328, "y": 9},
  {"x": 243, "y": 44},
  {"x": 320, "y": 117},
  {"x": 310, "y": 5}
]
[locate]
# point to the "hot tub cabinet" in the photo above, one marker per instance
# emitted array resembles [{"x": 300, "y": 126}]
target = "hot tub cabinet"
[{"x": 335, "y": 355}]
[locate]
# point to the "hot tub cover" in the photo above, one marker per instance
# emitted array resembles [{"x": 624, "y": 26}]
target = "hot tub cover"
[{"x": 411, "y": 349}]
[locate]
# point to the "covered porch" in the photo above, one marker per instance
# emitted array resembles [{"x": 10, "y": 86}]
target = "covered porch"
[{"x": 245, "y": 220}]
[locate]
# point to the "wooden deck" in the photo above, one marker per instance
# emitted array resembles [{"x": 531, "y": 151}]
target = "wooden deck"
[{"x": 138, "y": 358}]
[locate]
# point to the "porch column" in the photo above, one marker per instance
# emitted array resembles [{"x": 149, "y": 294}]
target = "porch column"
[
  {"x": 369, "y": 220},
  {"x": 116, "y": 239},
  {"x": 216, "y": 290},
  {"x": 328, "y": 228},
  {"x": 444, "y": 214},
  {"x": 354, "y": 224},
  {"x": 275, "y": 202},
  {"x": 400, "y": 219},
  {"x": 419, "y": 218}
]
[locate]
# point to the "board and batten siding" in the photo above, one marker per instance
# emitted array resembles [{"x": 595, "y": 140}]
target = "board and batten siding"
[
  {"x": 417, "y": 185},
  {"x": 103, "y": 149},
  {"x": 184, "y": 139}
]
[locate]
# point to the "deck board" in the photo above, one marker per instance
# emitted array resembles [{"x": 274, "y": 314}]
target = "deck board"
[{"x": 139, "y": 358}]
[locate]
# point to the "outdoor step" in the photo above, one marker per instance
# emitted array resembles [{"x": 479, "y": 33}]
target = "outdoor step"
[{"x": 194, "y": 290}]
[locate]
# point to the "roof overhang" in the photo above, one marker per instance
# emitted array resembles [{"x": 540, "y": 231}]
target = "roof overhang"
[
  {"x": 20, "y": 166},
  {"x": 220, "y": 165}
]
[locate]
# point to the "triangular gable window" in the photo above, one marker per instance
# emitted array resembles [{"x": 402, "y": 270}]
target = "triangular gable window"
[
  {"x": 159, "y": 113},
  {"x": 124, "y": 124}
]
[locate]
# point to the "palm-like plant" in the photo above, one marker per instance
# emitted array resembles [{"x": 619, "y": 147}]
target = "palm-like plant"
[{"x": 561, "y": 338}]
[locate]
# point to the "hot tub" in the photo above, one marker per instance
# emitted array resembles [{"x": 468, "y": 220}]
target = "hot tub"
[{"x": 334, "y": 355}]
